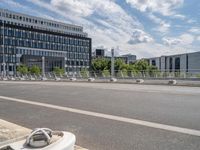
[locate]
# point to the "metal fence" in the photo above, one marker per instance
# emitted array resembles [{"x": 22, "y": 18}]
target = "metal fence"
[{"x": 119, "y": 74}]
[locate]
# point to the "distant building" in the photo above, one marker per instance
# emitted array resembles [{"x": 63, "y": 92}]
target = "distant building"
[
  {"x": 188, "y": 62},
  {"x": 128, "y": 58},
  {"x": 99, "y": 53}
]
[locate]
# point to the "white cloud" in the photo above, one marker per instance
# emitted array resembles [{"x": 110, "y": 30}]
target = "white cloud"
[
  {"x": 164, "y": 7},
  {"x": 195, "y": 30},
  {"x": 105, "y": 21},
  {"x": 179, "y": 16},
  {"x": 163, "y": 26},
  {"x": 182, "y": 40},
  {"x": 80, "y": 8},
  {"x": 13, "y": 3},
  {"x": 171, "y": 41},
  {"x": 191, "y": 21},
  {"x": 139, "y": 36},
  {"x": 187, "y": 39}
]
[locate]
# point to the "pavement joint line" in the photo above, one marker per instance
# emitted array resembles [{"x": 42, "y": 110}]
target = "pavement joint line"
[{"x": 109, "y": 117}]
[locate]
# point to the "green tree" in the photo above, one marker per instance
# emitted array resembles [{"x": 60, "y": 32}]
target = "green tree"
[
  {"x": 141, "y": 65},
  {"x": 153, "y": 71},
  {"x": 100, "y": 64},
  {"x": 22, "y": 69},
  {"x": 139, "y": 68},
  {"x": 84, "y": 73},
  {"x": 35, "y": 70},
  {"x": 58, "y": 71},
  {"x": 106, "y": 73},
  {"x": 120, "y": 64}
]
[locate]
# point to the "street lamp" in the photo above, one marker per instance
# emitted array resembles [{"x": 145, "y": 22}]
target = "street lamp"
[
  {"x": 43, "y": 66},
  {"x": 112, "y": 62},
  {"x": 4, "y": 64}
]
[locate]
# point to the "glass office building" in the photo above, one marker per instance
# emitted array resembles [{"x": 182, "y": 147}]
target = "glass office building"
[{"x": 26, "y": 39}]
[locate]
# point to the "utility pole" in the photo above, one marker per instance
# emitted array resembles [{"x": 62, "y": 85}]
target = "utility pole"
[
  {"x": 43, "y": 66},
  {"x": 4, "y": 64},
  {"x": 112, "y": 62}
]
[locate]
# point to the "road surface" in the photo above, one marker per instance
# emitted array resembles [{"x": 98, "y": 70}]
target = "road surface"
[{"x": 107, "y": 116}]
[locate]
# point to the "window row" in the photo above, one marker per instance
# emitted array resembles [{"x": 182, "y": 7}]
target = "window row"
[
  {"x": 43, "y": 37},
  {"x": 69, "y": 55},
  {"x": 53, "y": 54},
  {"x": 39, "y": 21},
  {"x": 8, "y": 58},
  {"x": 77, "y": 63},
  {"x": 44, "y": 45}
]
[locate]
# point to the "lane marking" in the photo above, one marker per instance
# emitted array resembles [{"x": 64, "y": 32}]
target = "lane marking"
[{"x": 109, "y": 117}]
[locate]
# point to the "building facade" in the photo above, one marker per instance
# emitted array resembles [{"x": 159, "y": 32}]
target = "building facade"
[
  {"x": 99, "y": 53},
  {"x": 128, "y": 58},
  {"x": 189, "y": 62},
  {"x": 26, "y": 39}
]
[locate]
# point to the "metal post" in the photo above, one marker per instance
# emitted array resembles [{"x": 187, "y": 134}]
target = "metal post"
[
  {"x": 43, "y": 66},
  {"x": 112, "y": 62},
  {"x": 4, "y": 64}
]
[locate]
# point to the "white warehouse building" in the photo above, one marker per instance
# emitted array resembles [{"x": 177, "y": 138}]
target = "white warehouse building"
[{"x": 188, "y": 62}]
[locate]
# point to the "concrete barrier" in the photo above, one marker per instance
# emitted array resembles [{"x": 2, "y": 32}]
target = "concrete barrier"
[
  {"x": 10, "y": 132},
  {"x": 172, "y": 82},
  {"x": 113, "y": 80},
  {"x": 72, "y": 79},
  {"x": 91, "y": 79},
  {"x": 139, "y": 81}
]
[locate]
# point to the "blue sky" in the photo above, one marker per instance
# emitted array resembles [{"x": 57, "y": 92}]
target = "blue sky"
[{"x": 146, "y": 28}]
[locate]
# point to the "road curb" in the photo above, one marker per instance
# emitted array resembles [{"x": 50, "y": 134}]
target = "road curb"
[
  {"x": 146, "y": 82},
  {"x": 10, "y": 132}
]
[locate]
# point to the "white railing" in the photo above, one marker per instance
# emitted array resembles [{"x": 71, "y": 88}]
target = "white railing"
[{"x": 100, "y": 75}]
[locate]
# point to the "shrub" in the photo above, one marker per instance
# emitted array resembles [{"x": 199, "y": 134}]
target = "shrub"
[{"x": 22, "y": 69}]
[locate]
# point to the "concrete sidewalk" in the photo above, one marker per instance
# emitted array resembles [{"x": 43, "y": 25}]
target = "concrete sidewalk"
[{"x": 10, "y": 132}]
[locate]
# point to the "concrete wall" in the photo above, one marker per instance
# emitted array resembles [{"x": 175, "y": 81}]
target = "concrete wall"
[
  {"x": 162, "y": 65},
  {"x": 194, "y": 62},
  {"x": 157, "y": 60}
]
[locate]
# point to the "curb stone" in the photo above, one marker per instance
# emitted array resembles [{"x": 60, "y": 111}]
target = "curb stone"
[{"x": 10, "y": 132}]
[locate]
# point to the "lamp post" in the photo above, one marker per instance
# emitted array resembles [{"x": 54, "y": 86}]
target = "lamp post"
[
  {"x": 4, "y": 64},
  {"x": 43, "y": 66},
  {"x": 112, "y": 62}
]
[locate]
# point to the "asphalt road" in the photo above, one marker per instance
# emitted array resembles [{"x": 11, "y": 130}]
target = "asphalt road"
[{"x": 166, "y": 105}]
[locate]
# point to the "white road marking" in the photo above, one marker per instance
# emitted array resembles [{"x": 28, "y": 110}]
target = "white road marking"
[{"x": 109, "y": 117}]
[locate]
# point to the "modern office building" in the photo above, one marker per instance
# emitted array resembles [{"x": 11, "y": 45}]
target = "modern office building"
[
  {"x": 128, "y": 58},
  {"x": 188, "y": 62},
  {"x": 99, "y": 53},
  {"x": 26, "y": 39}
]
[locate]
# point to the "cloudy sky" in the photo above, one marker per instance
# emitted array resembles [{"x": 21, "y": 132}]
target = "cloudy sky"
[{"x": 146, "y": 28}]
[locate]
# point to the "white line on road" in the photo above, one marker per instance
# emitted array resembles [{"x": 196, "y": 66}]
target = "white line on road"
[{"x": 110, "y": 117}]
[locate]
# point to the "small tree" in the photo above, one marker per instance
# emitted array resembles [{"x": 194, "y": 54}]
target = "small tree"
[
  {"x": 22, "y": 69},
  {"x": 35, "y": 70},
  {"x": 153, "y": 71},
  {"x": 141, "y": 65},
  {"x": 84, "y": 73},
  {"x": 59, "y": 71},
  {"x": 100, "y": 64},
  {"x": 106, "y": 73}
]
